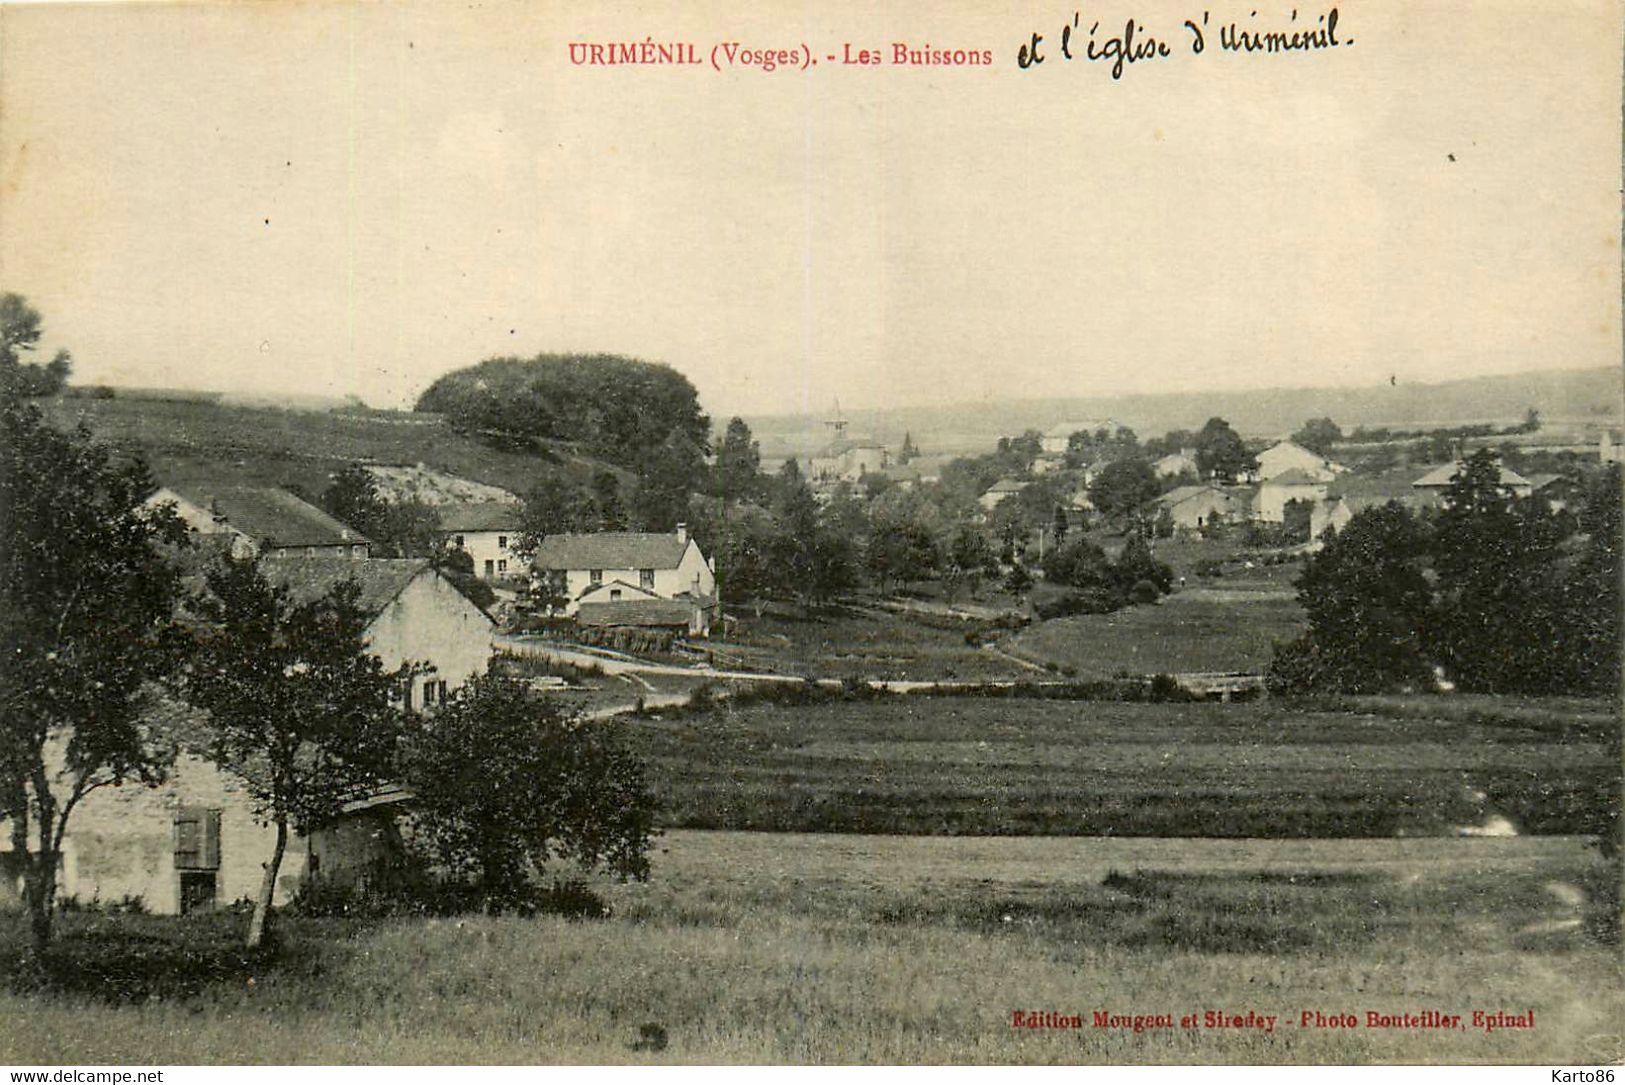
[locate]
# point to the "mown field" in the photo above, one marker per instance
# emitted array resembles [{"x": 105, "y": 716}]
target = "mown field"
[
  {"x": 268, "y": 446},
  {"x": 1219, "y": 625},
  {"x": 784, "y": 948},
  {"x": 845, "y": 641},
  {"x": 965, "y": 765}
]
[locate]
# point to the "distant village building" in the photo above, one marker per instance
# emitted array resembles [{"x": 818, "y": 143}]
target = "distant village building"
[
  {"x": 487, "y": 531},
  {"x": 1284, "y": 456},
  {"x": 613, "y": 576},
  {"x": 1178, "y": 463},
  {"x": 1194, "y": 508},
  {"x": 1058, "y": 438},
  {"x": 1005, "y": 487},
  {"x": 1433, "y": 487},
  {"x": 1276, "y": 492},
  {"x": 848, "y": 461},
  {"x": 919, "y": 471},
  {"x": 260, "y": 520},
  {"x": 193, "y": 842}
]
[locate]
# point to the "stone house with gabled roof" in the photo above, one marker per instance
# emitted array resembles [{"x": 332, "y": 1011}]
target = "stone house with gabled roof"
[
  {"x": 193, "y": 842},
  {"x": 262, "y": 520}
]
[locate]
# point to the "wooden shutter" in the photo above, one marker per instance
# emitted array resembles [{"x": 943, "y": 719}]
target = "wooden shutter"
[
  {"x": 197, "y": 838},
  {"x": 211, "y": 839}
]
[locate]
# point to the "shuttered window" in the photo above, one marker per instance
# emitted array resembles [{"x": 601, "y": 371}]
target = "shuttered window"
[{"x": 197, "y": 838}]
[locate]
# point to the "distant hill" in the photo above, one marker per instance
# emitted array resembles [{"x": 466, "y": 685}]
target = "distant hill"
[
  {"x": 1579, "y": 399},
  {"x": 187, "y": 439}
]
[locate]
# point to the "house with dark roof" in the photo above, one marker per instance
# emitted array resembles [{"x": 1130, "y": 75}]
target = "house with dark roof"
[
  {"x": 487, "y": 531},
  {"x": 615, "y": 567},
  {"x": 1005, "y": 487},
  {"x": 1433, "y": 487},
  {"x": 194, "y": 841},
  {"x": 262, "y": 520}
]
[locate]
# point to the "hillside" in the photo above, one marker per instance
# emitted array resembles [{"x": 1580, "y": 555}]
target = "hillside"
[
  {"x": 1579, "y": 400},
  {"x": 198, "y": 438}
]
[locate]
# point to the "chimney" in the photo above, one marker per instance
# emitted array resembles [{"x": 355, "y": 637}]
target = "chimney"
[{"x": 682, "y": 533}]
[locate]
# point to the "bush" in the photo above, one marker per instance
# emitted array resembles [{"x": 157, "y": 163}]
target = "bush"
[{"x": 1143, "y": 592}]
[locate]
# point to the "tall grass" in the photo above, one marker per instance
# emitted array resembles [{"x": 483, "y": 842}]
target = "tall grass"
[{"x": 826, "y": 950}]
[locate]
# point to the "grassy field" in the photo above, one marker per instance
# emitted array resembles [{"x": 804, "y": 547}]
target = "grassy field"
[
  {"x": 184, "y": 441},
  {"x": 962, "y": 765},
  {"x": 1221, "y": 625},
  {"x": 841, "y": 642},
  {"x": 755, "y": 948}
]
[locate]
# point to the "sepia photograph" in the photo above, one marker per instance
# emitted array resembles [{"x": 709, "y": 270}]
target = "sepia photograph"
[{"x": 926, "y": 534}]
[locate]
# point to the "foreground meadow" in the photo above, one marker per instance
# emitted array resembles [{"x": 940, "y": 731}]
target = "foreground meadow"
[
  {"x": 1008, "y": 765},
  {"x": 808, "y": 948}
]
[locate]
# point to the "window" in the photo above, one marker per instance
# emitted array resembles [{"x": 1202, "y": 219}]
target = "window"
[
  {"x": 502, "y": 542},
  {"x": 459, "y": 541},
  {"x": 502, "y": 565},
  {"x": 428, "y": 692},
  {"x": 442, "y": 685},
  {"x": 646, "y": 579},
  {"x": 490, "y": 568},
  {"x": 358, "y": 551},
  {"x": 595, "y": 576},
  {"x": 614, "y": 594},
  {"x": 310, "y": 551}
]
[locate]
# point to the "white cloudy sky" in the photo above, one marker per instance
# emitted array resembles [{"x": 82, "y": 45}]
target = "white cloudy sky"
[{"x": 333, "y": 198}]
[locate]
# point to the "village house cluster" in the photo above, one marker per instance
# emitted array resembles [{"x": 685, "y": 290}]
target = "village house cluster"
[{"x": 195, "y": 841}]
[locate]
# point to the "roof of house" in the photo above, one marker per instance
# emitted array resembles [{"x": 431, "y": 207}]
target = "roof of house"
[
  {"x": 480, "y": 516},
  {"x": 640, "y": 612},
  {"x": 1007, "y": 486},
  {"x": 611, "y": 550},
  {"x": 1180, "y": 494},
  {"x": 1444, "y": 474},
  {"x": 269, "y": 515},
  {"x": 1294, "y": 477},
  {"x": 1292, "y": 446},
  {"x": 1173, "y": 457},
  {"x": 380, "y": 579},
  {"x": 1540, "y": 482}
]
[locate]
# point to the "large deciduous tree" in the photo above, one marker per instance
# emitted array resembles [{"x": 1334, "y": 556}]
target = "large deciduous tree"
[
  {"x": 299, "y": 710},
  {"x": 19, "y": 335},
  {"x": 505, "y": 782},
  {"x": 737, "y": 473},
  {"x": 86, "y": 606},
  {"x": 1123, "y": 487},
  {"x": 1221, "y": 453},
  {"x": 1318, "y": 435},
  {"x": 1369, "y": 605}
]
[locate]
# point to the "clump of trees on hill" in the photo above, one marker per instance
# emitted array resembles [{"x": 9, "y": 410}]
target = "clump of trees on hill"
[
  {"x": 1492, "y": 590},
  {"x": 619, "y": 409}
]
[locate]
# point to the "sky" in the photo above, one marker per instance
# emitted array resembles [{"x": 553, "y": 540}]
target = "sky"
[{"x": 341, "y": 199}]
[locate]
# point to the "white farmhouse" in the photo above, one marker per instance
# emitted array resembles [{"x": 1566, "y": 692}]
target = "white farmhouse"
[
  {"x": 636, "y": 565},
  {"x": 1284, "y": 456},
  {"x": 487, "y": 531}
]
